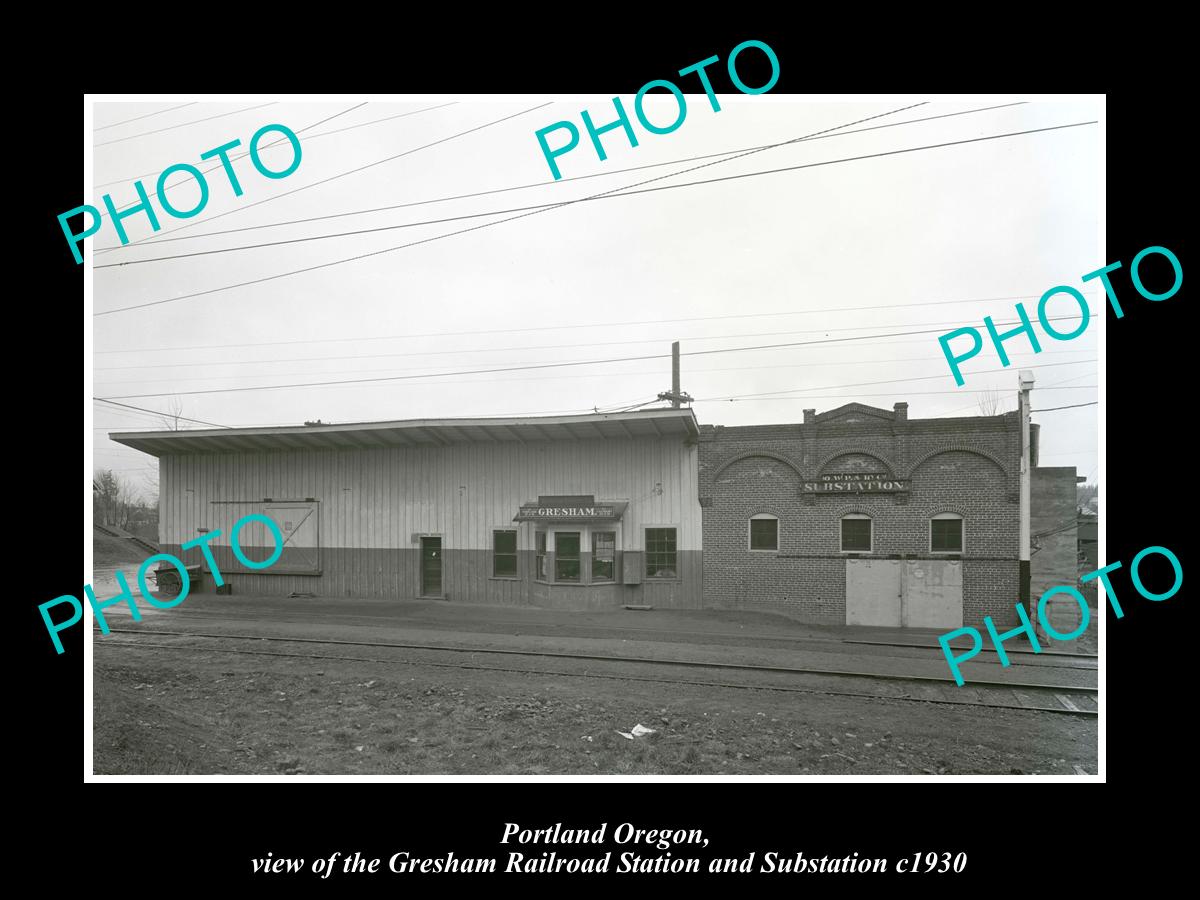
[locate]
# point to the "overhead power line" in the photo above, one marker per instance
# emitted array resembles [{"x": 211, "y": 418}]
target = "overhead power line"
[
  {"x": 363, "y": 231},
  {"x": 326, "y": 265},
  {"x": 304, "y": 187},
  {"x": 157, "y": 412},
  {"x": 1039, "y": 388},
  {"x": 184, "y": 124},
  {"x": 908, "y": 342},
  {"x": 310, "y": 137},
  {"x": 811, "y": 396},
  {"x": 210, "y": 364},
  {"x": 693, "y": 373},
  {"x": 808, "y": 396},
  {"x": 536, "y": 184},
  {"x": 146, "y": 116},
  {"x": 1072, "y": 406},
  {"x": 536, "y": 209},
  {"x": 591, "y": 326},
  {"x": 558, "y": 365},
  {"x": 622, "y": 407},
  {"x": 804, "y": 391},
  {"x": 501, "y": 221},
  {"x": 127, "y": 413},
  {"x": 718, "y": 337},
  {"x": 243, "y": 155},
  {"x": 341, "y": 234},
  {"x": 612, "y": 408}
]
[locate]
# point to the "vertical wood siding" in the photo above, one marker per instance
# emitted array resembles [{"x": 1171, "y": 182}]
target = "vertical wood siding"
[{"x": 377, "y": 499}]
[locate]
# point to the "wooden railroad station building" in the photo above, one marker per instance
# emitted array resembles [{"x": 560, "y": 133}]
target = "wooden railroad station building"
[{"x": 589, "y": 511}]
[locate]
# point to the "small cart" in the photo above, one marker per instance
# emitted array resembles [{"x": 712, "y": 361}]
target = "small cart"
[{"x": 168, "y": 580}]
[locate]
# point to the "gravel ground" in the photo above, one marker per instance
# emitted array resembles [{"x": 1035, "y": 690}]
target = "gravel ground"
[{"x": 187, "y": 711}]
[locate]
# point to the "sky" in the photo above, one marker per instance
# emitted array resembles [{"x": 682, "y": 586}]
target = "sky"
[{"x": 929, "y": 240}]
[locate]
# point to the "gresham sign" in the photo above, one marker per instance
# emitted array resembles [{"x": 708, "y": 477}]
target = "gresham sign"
[{"x": 565, "y": 512}]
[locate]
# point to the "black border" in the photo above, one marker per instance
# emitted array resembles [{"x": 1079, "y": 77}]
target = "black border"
[{"x": 1018, "y": 836}]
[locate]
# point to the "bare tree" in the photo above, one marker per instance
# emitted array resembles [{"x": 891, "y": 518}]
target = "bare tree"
[
  {"x": 1084, "y": 493},
  {"x": 990, "y": 402},
  {"x": 150, "y": 487},
  {"x": 173, "y": 414},
  {"x": 113, "y": 499}
]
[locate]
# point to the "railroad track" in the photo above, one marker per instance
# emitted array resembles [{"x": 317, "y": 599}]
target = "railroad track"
[
  {"x": 920, "y": 688},
  {"x": 560, "y": 629},
  {"x": 1011, "y": 651}
]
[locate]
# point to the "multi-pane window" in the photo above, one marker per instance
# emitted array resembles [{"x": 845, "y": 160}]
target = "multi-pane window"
[
  {"x": 540, "y": 555},
  {"x": 764, "y": 533},
  {"x": 604, "y": 553},
  {"x": 856, "y": 533},
  {"x": 946, "y": 533},
  {"x": 566, "y": 556},
  {"x": 504, "y": 554},
  {"x": 661, "y": 553}
]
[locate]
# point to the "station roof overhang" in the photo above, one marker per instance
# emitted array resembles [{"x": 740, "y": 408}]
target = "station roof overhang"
[{"x": 655, "y": 423}]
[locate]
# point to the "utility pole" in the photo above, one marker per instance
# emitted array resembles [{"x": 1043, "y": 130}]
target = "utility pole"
[
  {"x": 1026, "y": 385},
  {"x": 675, "y": 396}
]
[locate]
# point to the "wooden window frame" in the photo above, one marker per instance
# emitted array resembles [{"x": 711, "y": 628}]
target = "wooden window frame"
[
  {"x": 653, "y": 553},
  {"x": 515, "y": 555},
  {"x": 962, "y": 533},
  {"x": 577, "y": 558},
  {"x": 612, "y": 560},
  {"x": 762, "y": 517},
  {"x": 842, "y": 534}
]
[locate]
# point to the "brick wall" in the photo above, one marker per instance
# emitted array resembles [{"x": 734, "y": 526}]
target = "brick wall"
[
  {"x": 1055, "y": 539},
  {"x": 967, "y": 466}
]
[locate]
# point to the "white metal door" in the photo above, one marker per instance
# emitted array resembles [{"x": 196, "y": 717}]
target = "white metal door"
[
  {"x": 873, "y": 592},
  {"x": 933, "y": 593}
]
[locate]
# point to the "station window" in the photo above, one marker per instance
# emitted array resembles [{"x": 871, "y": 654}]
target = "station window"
[
  {"x": 540, "y": 554},
  {"x": 504, "y": 554},
  {"x": 566, "y": 556},
  {"x": 946, "y": 533},
  {"x": 764, "y": 532},
  {"x": 856, "y": 533},
  {"x": 604, "y": 552},
  {"x": 661, "y": 553}
]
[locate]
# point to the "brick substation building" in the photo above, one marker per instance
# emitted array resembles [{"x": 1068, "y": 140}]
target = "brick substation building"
[{"x": 862, "y": 516}]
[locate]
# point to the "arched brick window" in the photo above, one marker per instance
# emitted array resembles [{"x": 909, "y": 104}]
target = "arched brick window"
[{"x": 764, "y": 532}]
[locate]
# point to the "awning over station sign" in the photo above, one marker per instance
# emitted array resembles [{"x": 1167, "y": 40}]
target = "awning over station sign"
[{"x": 577, "y": 509}]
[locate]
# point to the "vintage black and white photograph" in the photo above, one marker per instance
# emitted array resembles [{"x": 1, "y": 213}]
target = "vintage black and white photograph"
[{"x": 706, "y": 431}]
